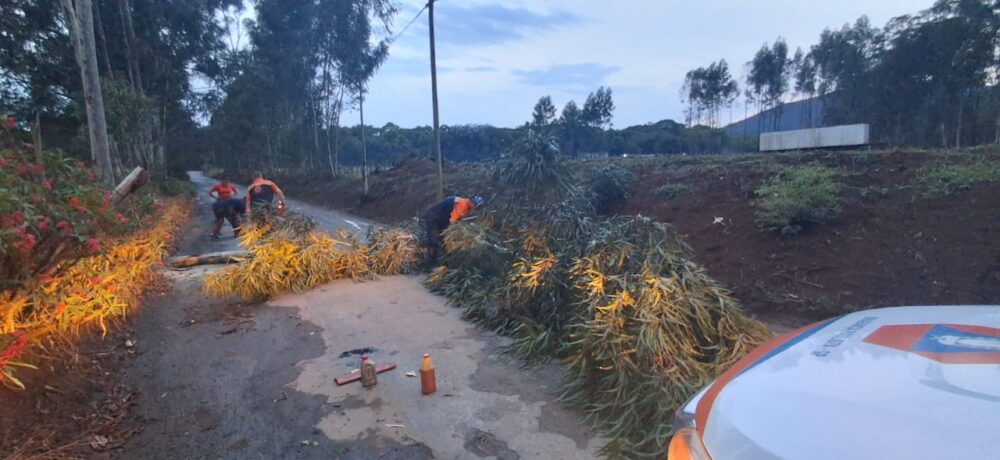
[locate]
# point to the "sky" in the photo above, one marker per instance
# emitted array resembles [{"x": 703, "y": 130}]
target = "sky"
[{"x": 496, "y": 58}]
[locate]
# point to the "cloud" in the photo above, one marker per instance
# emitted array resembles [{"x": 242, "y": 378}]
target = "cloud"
[
  {"x": 492, "y": 24},
  {"x": 567, "y": 76},
  {"x": 482, "y": 68}
]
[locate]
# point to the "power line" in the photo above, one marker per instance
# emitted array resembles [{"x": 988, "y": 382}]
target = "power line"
[{"x": 394, "y": 37}]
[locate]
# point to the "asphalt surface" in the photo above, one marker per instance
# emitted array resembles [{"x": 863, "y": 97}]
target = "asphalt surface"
[{"x": 220, "y": 379}]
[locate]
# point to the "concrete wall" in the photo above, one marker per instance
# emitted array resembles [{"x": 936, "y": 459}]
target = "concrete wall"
[{"x": 833, "y": 136}]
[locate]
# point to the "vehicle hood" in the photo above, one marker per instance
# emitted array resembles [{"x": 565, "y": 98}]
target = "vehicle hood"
[{"x": 907, "y": 382}]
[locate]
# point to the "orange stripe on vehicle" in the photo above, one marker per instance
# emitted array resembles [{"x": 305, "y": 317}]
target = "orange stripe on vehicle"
[
  {"x": 708, "y": 399},
  {"x": 901, "y": 337}
]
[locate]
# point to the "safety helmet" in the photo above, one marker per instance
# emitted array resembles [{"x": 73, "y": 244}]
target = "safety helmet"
[{"x": 478, "y": 200}]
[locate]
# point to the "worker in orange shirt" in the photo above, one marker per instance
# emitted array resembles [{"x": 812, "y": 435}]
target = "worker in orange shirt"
[
  {"x": 438, "y": 217},
  {"x": 260, "y": 196},
  {"x": 226, "y": 207}
]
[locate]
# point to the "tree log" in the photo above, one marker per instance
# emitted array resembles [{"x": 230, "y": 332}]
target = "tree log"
[
  {"x": 135, "y": 179},
  {"x": 225, "y": 257}
]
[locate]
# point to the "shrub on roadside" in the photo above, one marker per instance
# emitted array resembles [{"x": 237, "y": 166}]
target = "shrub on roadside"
[
  {"x": 798, "y": 197},
  {"x": 90, "y": 291},
  {"x": 53, "y": 214},
  {"x": 610, "y": 185},
  {"x": 671, "y": 191},
  {"x": 534, "y": 167},
  {"x": 68, "y": 259}
]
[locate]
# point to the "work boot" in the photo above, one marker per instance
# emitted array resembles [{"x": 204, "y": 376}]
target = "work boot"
[{"x": 216, "y": 228}]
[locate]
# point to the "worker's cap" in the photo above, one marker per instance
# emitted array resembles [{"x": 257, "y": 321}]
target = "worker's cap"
[{"x": 478, "y": 200}]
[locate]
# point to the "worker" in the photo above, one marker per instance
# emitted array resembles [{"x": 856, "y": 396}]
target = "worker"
[
  {"x": 226, "y": 207},
  {"x": 260, "y": 196},
  {"x": 438, "y": 217}
]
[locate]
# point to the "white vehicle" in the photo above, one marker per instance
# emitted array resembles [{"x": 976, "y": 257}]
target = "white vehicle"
[{"x": 906, "y": 383}]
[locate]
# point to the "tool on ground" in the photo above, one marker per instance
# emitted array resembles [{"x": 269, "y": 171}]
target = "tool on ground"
[
  {"x": 428, "y": 384},
  {"x": 369, "y": 377},
  {"x": 356, "y": 375}
]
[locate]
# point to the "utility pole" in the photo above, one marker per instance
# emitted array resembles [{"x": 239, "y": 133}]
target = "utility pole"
[{"x": 434, "y": 95}]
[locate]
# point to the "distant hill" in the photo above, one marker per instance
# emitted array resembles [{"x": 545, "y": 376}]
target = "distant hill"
[{"x": 794, "y": 115}]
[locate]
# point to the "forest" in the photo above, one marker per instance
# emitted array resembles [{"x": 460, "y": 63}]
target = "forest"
[
  {"x": 927, "y": 80},
  {"x": 192, "y": 84}
]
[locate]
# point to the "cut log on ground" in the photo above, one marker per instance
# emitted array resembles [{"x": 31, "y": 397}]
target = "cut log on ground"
[
  {"x": 135, "y": 179},
  {"x": 224, "y": 257}
]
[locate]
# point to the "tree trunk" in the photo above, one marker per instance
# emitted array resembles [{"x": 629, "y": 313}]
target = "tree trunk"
[
  {"x": 137, "y": 178},
  {"x": 129, "y": 33},
  {"x": 996, "y": 137},
  {"x": 225, "y": 257},
  {"x": 336, "y": 133},
  {"x": 364, "y": 147},
  {"x": 104, "y": 40},
  {"x": 80, "y": 21},
  {"x": 958, "y": 127},
  {"x": 161, "y": 143},
  {"x": 36, "y": 138}
]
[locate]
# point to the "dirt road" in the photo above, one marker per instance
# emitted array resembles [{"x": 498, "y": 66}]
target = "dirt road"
[{"x": 224, "y": 380}]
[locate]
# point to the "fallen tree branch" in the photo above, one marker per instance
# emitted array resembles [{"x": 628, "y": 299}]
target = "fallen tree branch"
[{"x": 224, "y": 257}]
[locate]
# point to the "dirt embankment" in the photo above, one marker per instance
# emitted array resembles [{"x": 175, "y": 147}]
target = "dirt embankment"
[{"x": 891, "y": 244}]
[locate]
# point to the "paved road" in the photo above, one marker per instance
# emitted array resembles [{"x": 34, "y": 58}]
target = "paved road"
[
  {"x": 223, "y": 380},
  {"x": 325, "y": 218}
]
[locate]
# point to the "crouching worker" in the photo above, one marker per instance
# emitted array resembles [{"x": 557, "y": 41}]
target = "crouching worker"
[
  {"x": 260, "y": 197},
  {"x": 226, "y": 207},
  {"x": 443, "y": 214}
]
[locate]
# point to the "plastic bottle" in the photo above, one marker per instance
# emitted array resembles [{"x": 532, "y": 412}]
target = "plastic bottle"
[
  {"x": 427, "y": 383},
  {"x": 368, "y": 375}
]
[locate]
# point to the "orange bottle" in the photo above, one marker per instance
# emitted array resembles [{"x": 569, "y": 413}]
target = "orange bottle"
[{"x": 427, "y": 383}]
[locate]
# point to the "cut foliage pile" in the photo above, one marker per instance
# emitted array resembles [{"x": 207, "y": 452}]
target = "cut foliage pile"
[
  {"x": 637, "y": 325},
  {"x": 290, "y": 255}
]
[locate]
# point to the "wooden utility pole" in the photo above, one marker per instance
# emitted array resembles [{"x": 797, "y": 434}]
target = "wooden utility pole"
[{"x": 434, "y": 95}]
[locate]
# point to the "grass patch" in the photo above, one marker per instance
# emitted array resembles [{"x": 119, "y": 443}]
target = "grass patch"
[
  {"x": 798, "y": 197},
  {"x": 671, "y": 191},
  {"x": 941, "y": 179}
]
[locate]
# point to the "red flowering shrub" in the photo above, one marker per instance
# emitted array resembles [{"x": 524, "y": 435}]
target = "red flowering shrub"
[
  {"x": 35, "y": 196},
  {"x": 64, "y": 250}
]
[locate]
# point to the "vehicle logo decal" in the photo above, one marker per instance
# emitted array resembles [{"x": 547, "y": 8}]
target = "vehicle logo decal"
[{"x": 944, "y": 343}]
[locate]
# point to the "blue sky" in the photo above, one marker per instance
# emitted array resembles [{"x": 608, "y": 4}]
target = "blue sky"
[{"x": 495, "y": 59}]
